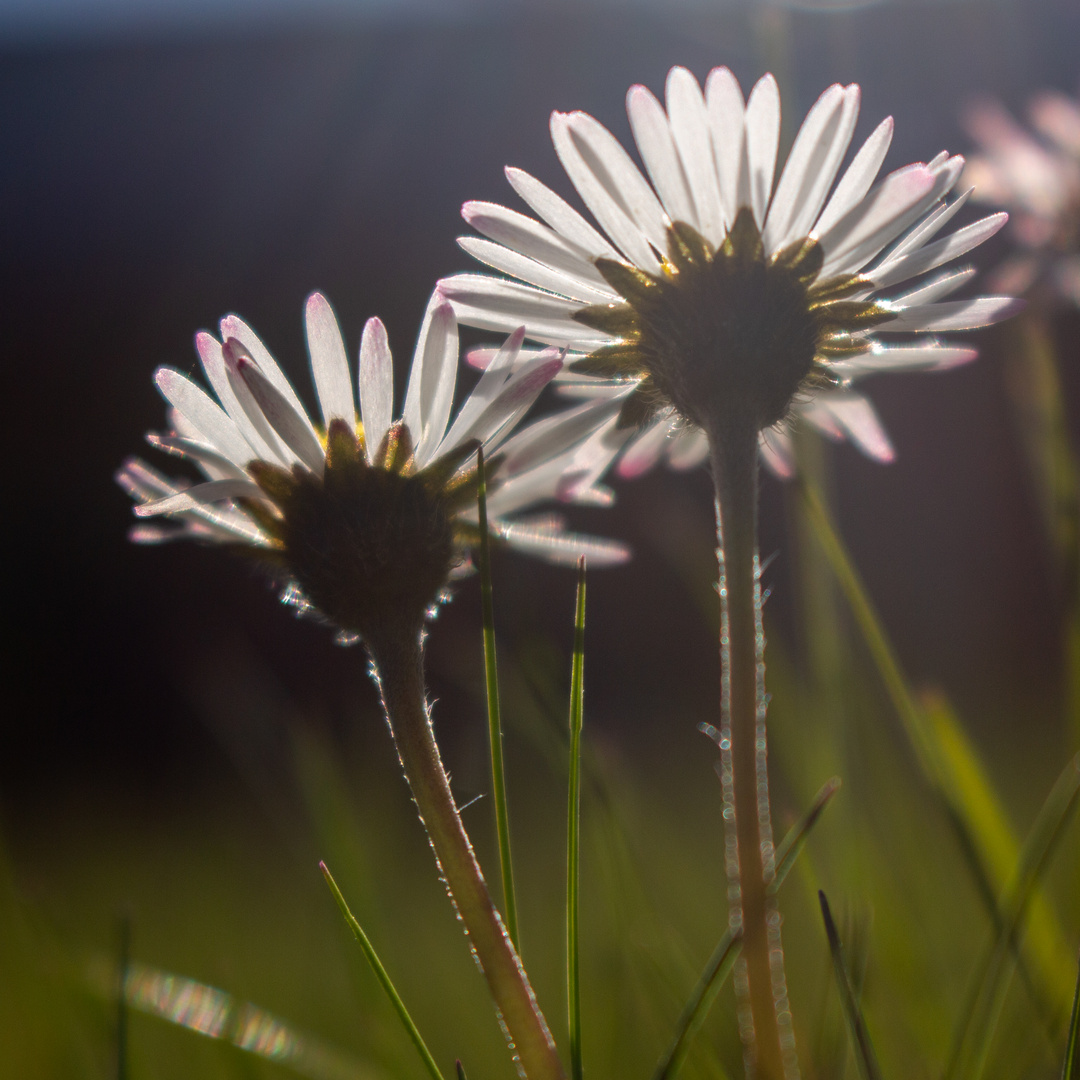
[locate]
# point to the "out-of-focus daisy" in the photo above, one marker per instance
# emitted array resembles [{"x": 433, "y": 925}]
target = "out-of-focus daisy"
[
  {"x": 718, "y": 293},
  {"x": 1037, "y": 176},
  {"x": 368, "y": 517}
]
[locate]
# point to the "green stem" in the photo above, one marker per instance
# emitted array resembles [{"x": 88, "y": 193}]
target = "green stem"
[
  {"x": 398, "y": 662},
  {"x": 573, "y": 829},
  {"x": 498, "y": 775},
  {"x": 750, "y": 859}
]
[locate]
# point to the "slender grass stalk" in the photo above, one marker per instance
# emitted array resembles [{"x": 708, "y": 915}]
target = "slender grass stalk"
[
  {"x": 1070, "y": 1068},
  {"x": 865, "y": 1057},
  {"x": 491, "y": 673},
  {"x": 949, "y": 763},
  {"x": 573, "y": 829},
  {"x": 727, "y": 949},
  {"x": 460, "y": 1070},
  {"x": 123, "y": 970},
  {"x": 986, "y": 996},
  {"x": 383, "y": 976},
  {"x": 765, "y": 1020},
  {"x": 1033, "y": 378},
  {"x": 397, "y": 657}
]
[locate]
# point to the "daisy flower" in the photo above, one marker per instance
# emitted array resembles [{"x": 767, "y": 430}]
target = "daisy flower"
[
  {"x": 1037, "y": 176},
  {"x": 713, "y": 289},
  {"x": 723, "y": 306},
  {"x": 368, "y": 517}
]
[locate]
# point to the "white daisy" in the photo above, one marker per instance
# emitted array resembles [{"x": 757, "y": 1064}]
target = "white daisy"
[
  {"x": 367, "y": 516},
  {"x": 1037, "y": 176},
  {"x": 713, "y": 291}
]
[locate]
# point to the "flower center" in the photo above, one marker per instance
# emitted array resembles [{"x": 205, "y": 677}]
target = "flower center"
[
  {"x": 728, "y": 331},
  {"x": 371, "y": 546}
]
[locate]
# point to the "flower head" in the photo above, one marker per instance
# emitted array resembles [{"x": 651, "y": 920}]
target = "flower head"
[
  {"x": 1037, "y": 176},
  {"x": 366, "y": 516},
  {"x": 716, "y": 294}
]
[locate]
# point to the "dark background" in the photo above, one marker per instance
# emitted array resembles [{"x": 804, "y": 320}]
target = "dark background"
[{"x": 152, "y": 181}]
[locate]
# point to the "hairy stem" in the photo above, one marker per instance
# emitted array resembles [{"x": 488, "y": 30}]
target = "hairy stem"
[
  {"x": 765, "y": 1020},
  {"x": 398, "y": 661}
]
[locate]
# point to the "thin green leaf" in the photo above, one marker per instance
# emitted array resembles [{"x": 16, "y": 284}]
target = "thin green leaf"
[
  {"x": 860, "y": 1037},
  {"x": 123, "y": 970},
  {"x": 459, "y": 1069},
  {"x": 976, "y": 1027},
  {"x": 950, "y": 764},
  {"x": 573, "y": 828},
  {"x": 723, "y": 957},
  {"x": 697, "y": 1008},
  {"x": 383, "y": 977},
  {"x": 1070, "y": 1069},
  {"x": 498, "y": 776},
  {"x": 787, "y": 851}
]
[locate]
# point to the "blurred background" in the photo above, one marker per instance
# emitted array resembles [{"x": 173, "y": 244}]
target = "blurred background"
[{"x": 180, "y": 752}]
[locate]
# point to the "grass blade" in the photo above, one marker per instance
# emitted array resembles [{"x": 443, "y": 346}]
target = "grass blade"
[
  {"x": 1070, "y": 1069},
  {"x": 498, "y": 775},
  {"x": 975, "y": 1029},
  {"x": 860, "y": 1037},
  {"x": 697, "y": 1008},
  {"x": 460, "y": 1070},
  {"x": 723, "y": 957},
  {"x": 383, "y": 977},
  {"x": 123, "y": 970},
  {"x": 787, "y": 851},
  {"x": 573, "y": 828},
  {"x": 951, "y": 766}
]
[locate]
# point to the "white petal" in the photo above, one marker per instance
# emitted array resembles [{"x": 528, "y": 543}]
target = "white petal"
[
  {"x": 288, "y": 424},
  {"x": 551, "y": 436},
  {"x": 689, "y": 448},
  {"x": 491, "y": 384},
  {"x": 204, "y": 415},
  {"x": 856, "y": 416},
  {"x": 800, "y": 182},
  {"x": 232, "y": 326},
  {"x": 210, "y": 353},
  {"x": 329, "y": 363},
  {"x": 761, "y": 142},
  {"x": 536, "y": 241},
  {"x": 200, "y": 494},
  {"x": 860, "y": 174},
  {"x": 941, "y": 251},
  {"x": 724, "y": 101},
  {"x": 376, "y": 386},
  {"x": 645, "y": 451},
  {"x": 777, "y": 451},
  {"x": 885, "y": 212},
  {"x": 924, "y": 230},
  {"x": 937, "y": 289},
  {"x": 932, "y": 356},
  {"x": 955, "y": 314},
  {"x": 598, "y": 188},
  {"x": 562, "y": 548},
  {"x": 521, "y": 391},
  {"x": 655, "y": 143},
  {"x": 491, "y": 304},
  {"x": 690, "y": 126},
  {"x": 560, "y": 215},
  {"x": 435, "y": 369},
  {"x": 281, "y": 452},
  {"x": 535, "y": 273},
  {"x": 215, "y": 465}
]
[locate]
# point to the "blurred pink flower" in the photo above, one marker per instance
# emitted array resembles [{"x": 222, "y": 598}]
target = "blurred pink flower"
[{"x": 1036, "y": 176}]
